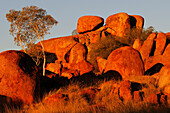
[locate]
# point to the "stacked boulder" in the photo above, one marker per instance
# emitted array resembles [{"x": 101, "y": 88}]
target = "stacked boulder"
[{"x": 71, "y": 51}]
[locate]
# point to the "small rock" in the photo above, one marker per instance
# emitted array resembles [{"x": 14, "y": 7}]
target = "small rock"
[
  {"x": 101, "y": 63},
  {"x": 125, "y": 90},
  {"x": 137, "y": 44}
]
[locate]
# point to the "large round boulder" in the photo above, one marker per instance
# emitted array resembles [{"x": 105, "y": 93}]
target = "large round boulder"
[
  {"x": 119, "y": 23},
  {"x": 89, "y": 23},
  {"x": 18, "y": 76},
  {"x": 125, "y": 60}
]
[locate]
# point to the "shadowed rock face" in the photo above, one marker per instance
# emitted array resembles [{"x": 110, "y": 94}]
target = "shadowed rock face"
[
  {"x": 126, "y": 61},
  {"x": 18, "y": 76}
]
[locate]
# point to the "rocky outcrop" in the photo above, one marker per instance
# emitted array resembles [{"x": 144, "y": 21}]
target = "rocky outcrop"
[
  {"x": 137, "y": 21},
  {"x": 101, "y": 63},
  {"x": 118, "y": 23},
  {"x": 60, "y": 46},
  {"x": 137, "y": 44},
  {"x": 146, "y": 48},
  {"x": 164, "y": 76},
  {"x": 18, "y": 77},
  {"x": 77, "y": 54},
  {"x": 125, "y": 90},
  {"x": 89, "y": 23},
  {"x": 126, "y": 61},
  {"x": 160, "y": 43}
]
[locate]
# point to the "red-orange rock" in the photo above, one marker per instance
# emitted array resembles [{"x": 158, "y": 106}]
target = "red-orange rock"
[
  {"x": 89, "y": 23},
  {"x": 18, "y": 76},
  {"x": 126, "y": 61},
  {"x": 163, "y": 100},
  {"x": 160, "y": 44},
  {"x": 54, "y": 67},
  {"x": 164, "y": 76},
  {"x": 118, "y": 23},
  {"x": 151, "y": 61},
  {"x": 55, "y": 98},
  {"x": 146, "y": 48},
  {"x": 68, "y": 73},
  {"x": 168, "y": 99},
  {"x": 153, "y": 98},
  {"x": 125, "y": 90},
  {"x": 82, "y": 67},
  {"x": 139, "y": 21},
  {"x": 60, "y": 46},
  {"x": 167, "y": 89},
  {"x": 167, "y": 51},
  {"x": 137, "y": 44},
  {"x": 77, "y": 54},
  {"x": 136, "y": 96},
  {"x": 101, "y": 63}
]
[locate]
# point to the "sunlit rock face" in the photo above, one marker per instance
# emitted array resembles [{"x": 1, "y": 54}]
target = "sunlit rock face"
[
  {"x": 89, "y": 23},
  {"x": 126, "y": 61},
  {"x": 18, "y": 76},
  {"x": 118, "y": 23}
]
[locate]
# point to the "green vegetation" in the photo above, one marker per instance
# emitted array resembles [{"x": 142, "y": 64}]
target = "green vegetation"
[{"x": 29, "y": 25}]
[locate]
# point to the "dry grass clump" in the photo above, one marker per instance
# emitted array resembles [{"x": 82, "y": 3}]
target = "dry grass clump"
[{"x": 105, "y": 101}]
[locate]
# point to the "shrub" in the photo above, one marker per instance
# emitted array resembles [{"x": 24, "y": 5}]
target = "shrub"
[
  {"x": 135, "y": 33},
  {"x": 102, "y": 48}
]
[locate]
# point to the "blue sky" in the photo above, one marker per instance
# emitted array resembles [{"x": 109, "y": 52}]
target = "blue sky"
[{"x": 155, "y": 12}]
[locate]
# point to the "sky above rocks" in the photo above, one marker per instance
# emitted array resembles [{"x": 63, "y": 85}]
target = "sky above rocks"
[{"x": 66, "y": 12}]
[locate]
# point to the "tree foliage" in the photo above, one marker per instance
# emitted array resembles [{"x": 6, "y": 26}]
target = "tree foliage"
[{"x": 29, "y": 25}]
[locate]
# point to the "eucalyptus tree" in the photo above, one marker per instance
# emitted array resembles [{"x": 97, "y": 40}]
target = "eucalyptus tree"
[{"x": 30, "y": 25}]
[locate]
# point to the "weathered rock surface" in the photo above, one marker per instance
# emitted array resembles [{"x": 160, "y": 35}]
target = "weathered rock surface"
[
  {"x": 18, "y": 76},
  {"x": 137, "y": 44},
  {"x": 164, "y": 77},
  {"x": 138, "y": 21},
  {"x": 146, "y": 48},
  {"x": 153, "y": 60},
  {"x": 160, "y": 44},
  {"x": 126, "y": 61},
  {"x": 118, "y": 23},
  {"x": 82, "y": 67},
  {"x": 77, "y": 54},
  {"x": 101, "y": 63},
  {"x": 167, "y": 51},
  {"x": 89, "y": 23},
  {"x": 60, "y": 46},
  {"x": 167, "y": 89},
  {"x": 125, "y": 90},
  {"x": 54, "y": 67}
]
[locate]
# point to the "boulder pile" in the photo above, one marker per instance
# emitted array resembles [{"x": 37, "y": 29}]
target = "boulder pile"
[{"x": 138, "y": 65}]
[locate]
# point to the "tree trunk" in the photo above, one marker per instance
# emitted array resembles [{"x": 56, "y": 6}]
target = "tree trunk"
[
  {"x": 22, "y": 45},
  {"x": 43, "y": 56}
]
